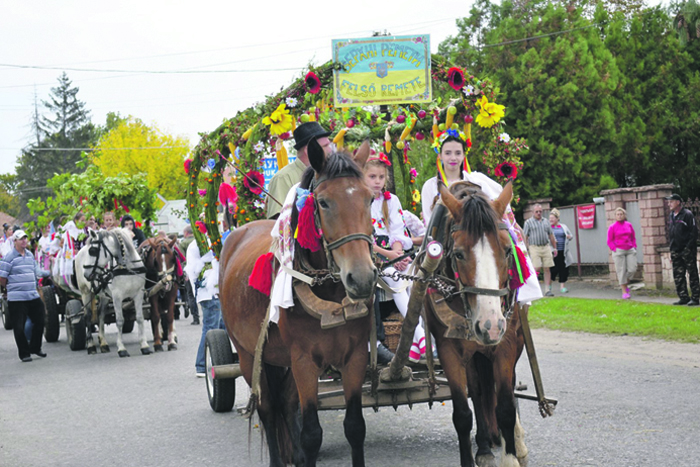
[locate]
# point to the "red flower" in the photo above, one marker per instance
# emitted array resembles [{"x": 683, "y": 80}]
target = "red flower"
[
  {"x": 469, "y": 142},
  {"x": 455, "y": 78},
  {"x": 202, "y": 192},
  {"x": 387, "y": 195},
  {"x": 188, "y": 162},
  {"x": 312, "y": 83},
  {"x": 254, "y": 181},
  {"x": 506, "y": 169},
  {"x": 201, "y": 226}
]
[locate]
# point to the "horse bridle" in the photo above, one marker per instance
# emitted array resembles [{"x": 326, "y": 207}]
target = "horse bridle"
[
  {"x": 101, "y": 276},
  {"x": 164, "y": 247}
]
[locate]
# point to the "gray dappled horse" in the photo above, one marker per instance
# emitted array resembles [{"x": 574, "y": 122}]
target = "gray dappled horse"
[{"x": 109, "y": 265}]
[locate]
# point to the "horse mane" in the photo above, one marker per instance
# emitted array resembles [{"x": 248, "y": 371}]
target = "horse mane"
[
  {"x": 338, "y": 164},
  {"x": 478, "y": 216}
]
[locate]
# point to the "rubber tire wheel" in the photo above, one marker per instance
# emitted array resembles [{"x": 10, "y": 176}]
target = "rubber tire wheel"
[
  {"x": 52, "y": 324},
  {"x": 217, "y": 351},
  {"x": 6, "y": 321},
  {"x": 76, "y": 331},
  {"x": 128, "y": 326}
]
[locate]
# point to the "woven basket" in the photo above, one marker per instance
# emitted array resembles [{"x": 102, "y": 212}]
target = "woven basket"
[{"x": 392, "y": 331}]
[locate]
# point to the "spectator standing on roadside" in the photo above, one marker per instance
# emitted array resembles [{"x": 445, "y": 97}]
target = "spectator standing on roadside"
[
  {"x": 683, "y": 234},
  {"x": 623, "y": 244},
  {"x": 538, "y": 238},
  {"x": 19, "y": 273},
  {"x": 564, "y": 256},
  {"x": 188, "y": 237}
]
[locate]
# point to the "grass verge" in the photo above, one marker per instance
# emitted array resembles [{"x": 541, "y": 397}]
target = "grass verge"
[{"x": 674, "y": 323}]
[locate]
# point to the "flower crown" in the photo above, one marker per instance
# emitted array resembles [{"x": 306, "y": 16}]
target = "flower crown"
[
  {"x": 441, "y": 137},
  {"x": 381, "y": 157}
]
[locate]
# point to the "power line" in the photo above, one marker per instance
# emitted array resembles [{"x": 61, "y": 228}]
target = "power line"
[
  {"x": 97, "y": 149},
  {"x": 156, "y": 72}
]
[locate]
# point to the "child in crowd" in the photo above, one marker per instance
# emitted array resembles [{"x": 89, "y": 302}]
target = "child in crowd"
[{"x": 390, "y": 239}]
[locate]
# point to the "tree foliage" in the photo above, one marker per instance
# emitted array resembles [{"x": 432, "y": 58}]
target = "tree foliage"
[
  {"x": 132, "y": 147},
  {"x": 9, "y": 204}
]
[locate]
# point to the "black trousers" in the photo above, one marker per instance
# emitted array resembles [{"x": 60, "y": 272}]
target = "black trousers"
[
  {"x": 685, "y": 261},
  {"x": 559, "y": 268},
  {"x": 191, "y": 302},
  {"x": 19, "y": 312}
]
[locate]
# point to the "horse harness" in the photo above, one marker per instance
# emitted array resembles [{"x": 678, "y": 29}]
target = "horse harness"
[
  {"x": 117, "y": 265},
  {"x": 164, "y": 272}
]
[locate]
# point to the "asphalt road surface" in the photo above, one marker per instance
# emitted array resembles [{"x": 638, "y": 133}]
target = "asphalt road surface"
[{"x": 623, "y": 401}]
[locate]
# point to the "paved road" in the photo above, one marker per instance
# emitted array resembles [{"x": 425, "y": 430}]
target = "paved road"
[{"x": 623, "y": 402}]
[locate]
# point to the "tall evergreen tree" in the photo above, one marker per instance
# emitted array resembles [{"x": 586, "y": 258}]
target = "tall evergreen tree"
[{"x": 69, "y": 114}]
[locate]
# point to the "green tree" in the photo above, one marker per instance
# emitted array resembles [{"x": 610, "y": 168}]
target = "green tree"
[{"x": 9, "y": 204}]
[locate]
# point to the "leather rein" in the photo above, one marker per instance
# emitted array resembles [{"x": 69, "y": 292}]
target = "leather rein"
[{"x": 116, "y": 265}]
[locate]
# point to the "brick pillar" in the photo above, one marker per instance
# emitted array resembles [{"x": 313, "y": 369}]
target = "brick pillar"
[
  {"x": 653, "y": 222},
  {"x": 529, "y": 205}
]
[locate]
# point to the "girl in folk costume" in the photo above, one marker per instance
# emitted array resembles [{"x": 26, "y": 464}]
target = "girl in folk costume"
[
  {"x": 453, "y": 166},
  {"x": 390, "y": 239}
]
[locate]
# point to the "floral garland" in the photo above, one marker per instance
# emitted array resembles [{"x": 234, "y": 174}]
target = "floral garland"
[{"x": 243, "y": 141}]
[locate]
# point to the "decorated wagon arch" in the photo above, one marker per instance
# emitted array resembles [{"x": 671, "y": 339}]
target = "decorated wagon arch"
[{"x": 404, "y": 132}]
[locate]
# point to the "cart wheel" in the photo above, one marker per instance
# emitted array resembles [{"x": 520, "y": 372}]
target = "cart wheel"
[
  {"x": 128, "y": 325},
  {"x": 52, "y": 326},
  {"x": 75, "y": 327},
  {"x": 217, "y": 351},
  {"x": 6, "y": 321}
]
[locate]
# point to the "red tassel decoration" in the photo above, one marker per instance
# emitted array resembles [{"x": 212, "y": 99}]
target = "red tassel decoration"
[
  {"x": 307, "y": 235},
  {"x": 515, "y": 277},
  {"x": 261, "y": 277}
]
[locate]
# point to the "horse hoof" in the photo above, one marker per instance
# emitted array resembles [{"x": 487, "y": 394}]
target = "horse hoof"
[
  {"x": 172, "y": 347},
  {"x": 92, "y": 350},
  {"x": 176, "y": 340},
  {"x": 123, "y": 353},
  {"x": 104, "y": 348},
  {"x": 486, "y": 460},
  {"x": 146, "y": 351},
  {"x": 158, "y": 348}
]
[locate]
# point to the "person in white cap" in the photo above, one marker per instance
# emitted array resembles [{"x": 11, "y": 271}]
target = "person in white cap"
[{"x": 19, "y": 272}]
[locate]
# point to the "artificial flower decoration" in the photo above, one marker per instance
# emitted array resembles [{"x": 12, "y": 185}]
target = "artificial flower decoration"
[
  {"x": 387, "y": 195},
  {"x": 259, "y": 146},
  {"x": 312, "y": 83},
  {"x": 258, "y": 203},
  {"x": 413, "y": 172},
  {"x": 468, "y": 90},
  {"x": 291, "y": 102},
  {"x": 228, "y": 196},
  {"x": 506, "y": 169},
  {"x": 280, "y": 121},
  {"x": 455, "y": 78},
  {"x": 187, "y": 164},
  {"x": 505, "y": 137},
  {"x": 201, "y": 226},
  {"x": 211, "y": 163},
  {"x": 416, "y": 196},
  {"x": 254, "y": 181},
  {"x": 202, "y": 192},
  {"x": 381, "y": 158},
  {"x": 489, "y": 113}
]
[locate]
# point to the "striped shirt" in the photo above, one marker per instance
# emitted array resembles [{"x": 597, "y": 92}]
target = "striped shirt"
[
  {"x": 21, "y": 272},
  {"x": 537, "y": 232}
]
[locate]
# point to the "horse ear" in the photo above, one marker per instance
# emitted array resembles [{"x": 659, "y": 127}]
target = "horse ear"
[
  {"x": 501, "y": 203},
  {"x": 317, "y": 157},
  {"x": 93, "y": 234},
  {"x": 362, "y": 154},
  {"x": 450, "y": 202},
  {"x": 172, "y": 242}
]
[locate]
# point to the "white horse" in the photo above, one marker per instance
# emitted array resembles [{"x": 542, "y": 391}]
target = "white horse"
[{"x": 109, "y": 263}]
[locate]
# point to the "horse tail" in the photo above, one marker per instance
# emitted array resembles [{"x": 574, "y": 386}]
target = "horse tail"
[{"x": 280, "y": 413}]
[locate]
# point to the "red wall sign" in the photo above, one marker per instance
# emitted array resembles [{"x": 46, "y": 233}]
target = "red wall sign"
[{"x": 586, "y": 216}]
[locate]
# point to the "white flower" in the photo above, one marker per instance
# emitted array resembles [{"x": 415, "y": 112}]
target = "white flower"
[
  {"x": 260, "y": 204},
  {"x": 505, "y": 137},
  {"x": 259, "y": 146},
  {"x": 291, "y": 102},
  {"x": 468, "y": 90}
]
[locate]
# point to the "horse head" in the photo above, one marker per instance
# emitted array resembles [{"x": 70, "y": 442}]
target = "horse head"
[
  {"x": 100, "y": 247},
  {"x": 479, "y": 256},
  {"x": 343, "y": 202},
  {"x": 159, "y": 254}
]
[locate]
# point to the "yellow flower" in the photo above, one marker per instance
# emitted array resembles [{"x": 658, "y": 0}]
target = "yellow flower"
[
  {"x": 416, "y": 196},
  {"x": 490, "y": 113},
  {"x": 280, "y": 121}
]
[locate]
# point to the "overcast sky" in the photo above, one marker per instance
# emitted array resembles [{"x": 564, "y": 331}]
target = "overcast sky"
[{"x": 157, "y": 35}]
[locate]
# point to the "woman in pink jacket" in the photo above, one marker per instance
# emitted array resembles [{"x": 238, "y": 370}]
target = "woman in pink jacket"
[{"x": 623, "y": 244}]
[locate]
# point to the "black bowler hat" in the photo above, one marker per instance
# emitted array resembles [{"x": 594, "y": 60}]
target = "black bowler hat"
[
  {"x": 675, "y": 196},
  {"x": 305, "y": 132}
]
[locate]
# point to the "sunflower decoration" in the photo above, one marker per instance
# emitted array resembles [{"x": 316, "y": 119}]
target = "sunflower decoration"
[
  {"x": 489, "y": 112},
  {"x": 279, "y": 121}
]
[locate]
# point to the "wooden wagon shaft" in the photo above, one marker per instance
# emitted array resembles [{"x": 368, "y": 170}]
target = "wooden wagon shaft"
[
  {"x": 546, "y": 409},
  {"x": 159, "y": 285},
  {"x": 430, "y": 263}
]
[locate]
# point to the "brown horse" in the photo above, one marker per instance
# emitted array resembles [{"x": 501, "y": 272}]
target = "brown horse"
[
  {"x": 161, "y": 259},
  {"x": 342, "y": 203},
  {"x": 477, "y": 330}
]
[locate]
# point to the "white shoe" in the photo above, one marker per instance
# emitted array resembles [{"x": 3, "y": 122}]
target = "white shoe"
[{"x": 201, "y": 375}]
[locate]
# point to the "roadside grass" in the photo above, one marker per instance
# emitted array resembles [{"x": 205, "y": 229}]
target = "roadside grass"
[{"x": 618, "y": 317}]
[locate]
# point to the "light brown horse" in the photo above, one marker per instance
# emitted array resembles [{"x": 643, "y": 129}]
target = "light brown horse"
[
  {"x": 161, "y": 259},
  {"x": 297, "y": 341},
  {"x": 478, "y": 259}
]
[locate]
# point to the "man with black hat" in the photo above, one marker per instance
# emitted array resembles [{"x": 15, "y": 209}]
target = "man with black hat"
[
  {"x": 291, "y": 174},
  {"x": 683, "y": 234}
]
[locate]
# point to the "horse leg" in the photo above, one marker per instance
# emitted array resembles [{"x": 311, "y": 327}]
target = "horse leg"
[
  {"x": 456, "y": 374},
  {"x": 155, "y": 324},
  {"x": 271, "y": 412},
  {"x": 91, "y": 349},
  {"x": 170, "y": 322},
  {"x": 104, "y": 347},
  {"x": 505, "y": 411},
  {"x": 119, "y": 317},
  {"x": 292, "y": 417},
  {"x": 306, "y": 375},
  {"x": 480, "y": 384},
  {"x": 138, "y": 304},
  {"x": 354, "y": 423}
]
